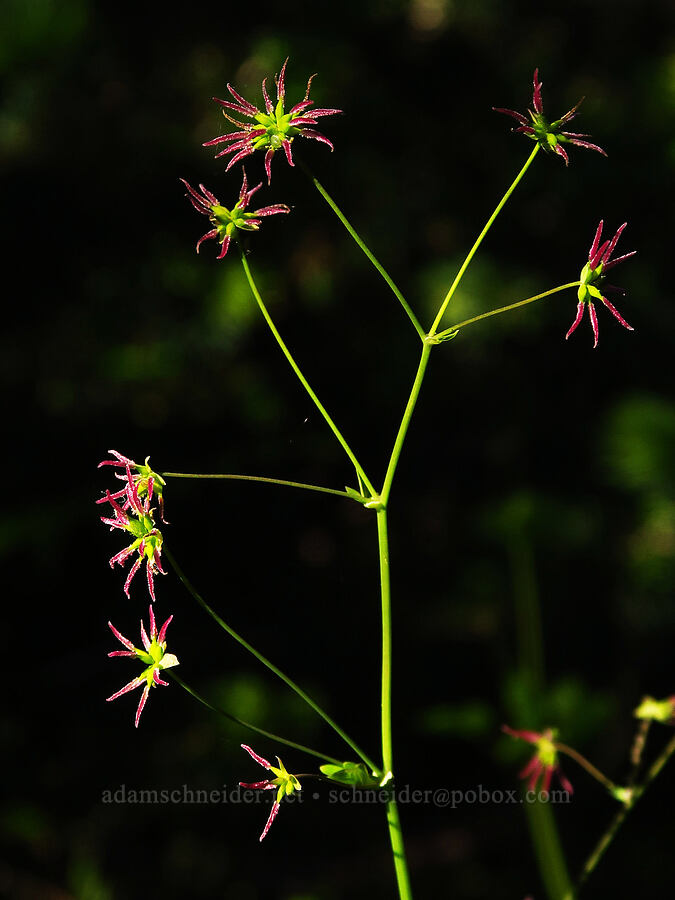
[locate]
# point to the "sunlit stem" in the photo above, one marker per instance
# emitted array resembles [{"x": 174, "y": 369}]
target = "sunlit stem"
[
  {"x": 277, "y": 739},
  {"x": 331, "y": 424},
  {"x": 362, "y": 245},
  {"x": 395, "y": 835},
  {"x": 266, "y": 662},
  {"x": 405, "y": 422},
  {"x": 479, "y": 241},
  {"x": 503, "y": 309},
  {"x": 293, "y": 484}
]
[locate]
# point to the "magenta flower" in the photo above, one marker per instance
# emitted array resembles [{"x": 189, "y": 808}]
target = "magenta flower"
[
  {"x": 137, "y": 518},
  {"x": 154, "y": 657},
  {"x": 270, "y": 130},
  {"x": 146, "y": 481},
  {"x": 593, "y": 274},
  {"x": 547, "y": 134},
  {"x": 228, "y": 221},
  {"x": 285, "y": 783},
  {"x": 544, "y": 762}
]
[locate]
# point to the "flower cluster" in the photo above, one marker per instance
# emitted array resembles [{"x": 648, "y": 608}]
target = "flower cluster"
[
  {"x": 593, "y": 274},
  {"x": 272, "y": 129},
  {"x": 285, "y": 785},
  {"x": 136, "y": 517},
  {"x": 544, "y": 762},
  {"x": 228, "y": 221},
  {"x": 652, "y": 710},
  {"x": 153, "y": 656},
  {"x": 549, "y": 135}
]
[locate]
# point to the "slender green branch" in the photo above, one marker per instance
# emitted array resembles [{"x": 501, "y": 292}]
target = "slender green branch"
[
  {"x": 503, "y": 309},
  {"x": 405, "y": 422},
  {"x": 395, "y": 835},
  {"x": 380, "y": 268},
  {"x": 266, "y": 662},
  {"x": 294, "y": 484},
  {"x": 479, "y": 241},
  {"x": 618, "y": 820},
  {"x": 588, "y": 766},
  {"x": 267, "y": 734},
  {"x": 331, "y": 424}
]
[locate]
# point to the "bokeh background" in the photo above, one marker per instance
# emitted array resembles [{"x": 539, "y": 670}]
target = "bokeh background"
[{"x": 538, "y": 480}]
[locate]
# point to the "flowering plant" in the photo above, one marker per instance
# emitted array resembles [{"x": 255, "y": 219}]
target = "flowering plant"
[{"x": 270, "y": 130}]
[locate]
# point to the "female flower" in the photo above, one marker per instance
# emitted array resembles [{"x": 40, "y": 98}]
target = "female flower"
[
  {"x": 547, "y": 134},
  {"x": 592, "y": 275},
  {"x": 270, "y": 130},
  {"x": 544, "y": 762},
  {"x": 285, "y": 783},
  {"x": 136, "y": 517},
  {"x": 228, "y": 221},
  {"x": 146, "y": 480},
  {"x": 154, "y": 657}
]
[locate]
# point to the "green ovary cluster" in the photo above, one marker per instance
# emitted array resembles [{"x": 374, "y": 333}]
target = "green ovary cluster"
[
  {"x": 228, "y": 221},
  {"x": 143, "y": 529},
  {"x": 546, "y": 751},
  {"x": 278, "y": 128},
  {"x": 587, "y": 291}
]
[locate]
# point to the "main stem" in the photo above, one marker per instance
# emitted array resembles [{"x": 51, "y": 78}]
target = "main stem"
[
  {"x": 331, "y": 424},
  {"x": 479, "y": 241},
  {"x": 395, "y": 835}
]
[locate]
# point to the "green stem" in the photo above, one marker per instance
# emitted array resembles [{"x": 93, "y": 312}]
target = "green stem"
[
  {"x": 303, "y": 380},
  {"x": 267, "y": 734},
  {"x": 380, "y": 268},
  {"x": 503, "y": 309},
  {"x": 405, "y": 422},
  {"x": 294, "y": 484},
  {"x": 585, "y": 764},
  {"x": 395, "y": 835},
  {"x": 479, "y": 240},
  {"x": 291, "y": 684},
  {"x": 620, "y": 816}
]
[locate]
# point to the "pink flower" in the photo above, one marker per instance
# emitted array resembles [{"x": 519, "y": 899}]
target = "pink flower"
[
  {"x": 548, "y": 134},
  {"x": 146, "y": 480},
  {"x": 153, "y": 656},
  {"x": 544, "y": 762},
  {"x": 285, "y": 784},
  {"x": 227, "y": 221},
  {"x": 136, "y": 517},
  {"x": 270, "y": 130},
  {"x": 593, "y": 274}
]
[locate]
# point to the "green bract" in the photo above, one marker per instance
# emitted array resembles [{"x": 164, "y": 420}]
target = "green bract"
[{"x": 356, "y": 774}]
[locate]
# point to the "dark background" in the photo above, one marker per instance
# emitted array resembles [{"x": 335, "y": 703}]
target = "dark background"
[{"x": 537, "y": 470}]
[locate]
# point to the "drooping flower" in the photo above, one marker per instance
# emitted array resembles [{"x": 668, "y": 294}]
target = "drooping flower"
[
  {"x": 154, "y": 657},
  {"x": 285, "y": 783},
  {"x": 657, "y": 710},
  {"x": 270, "y": 130},
  {"x": 592, "y": 275},
  {"x": 146, "y": 480},
  {"x": 137, "y": 519},
  {"x": 228, "y": 221},
  {"x": 544, "y": 762},
  {"x": 549, "y": 135}
]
